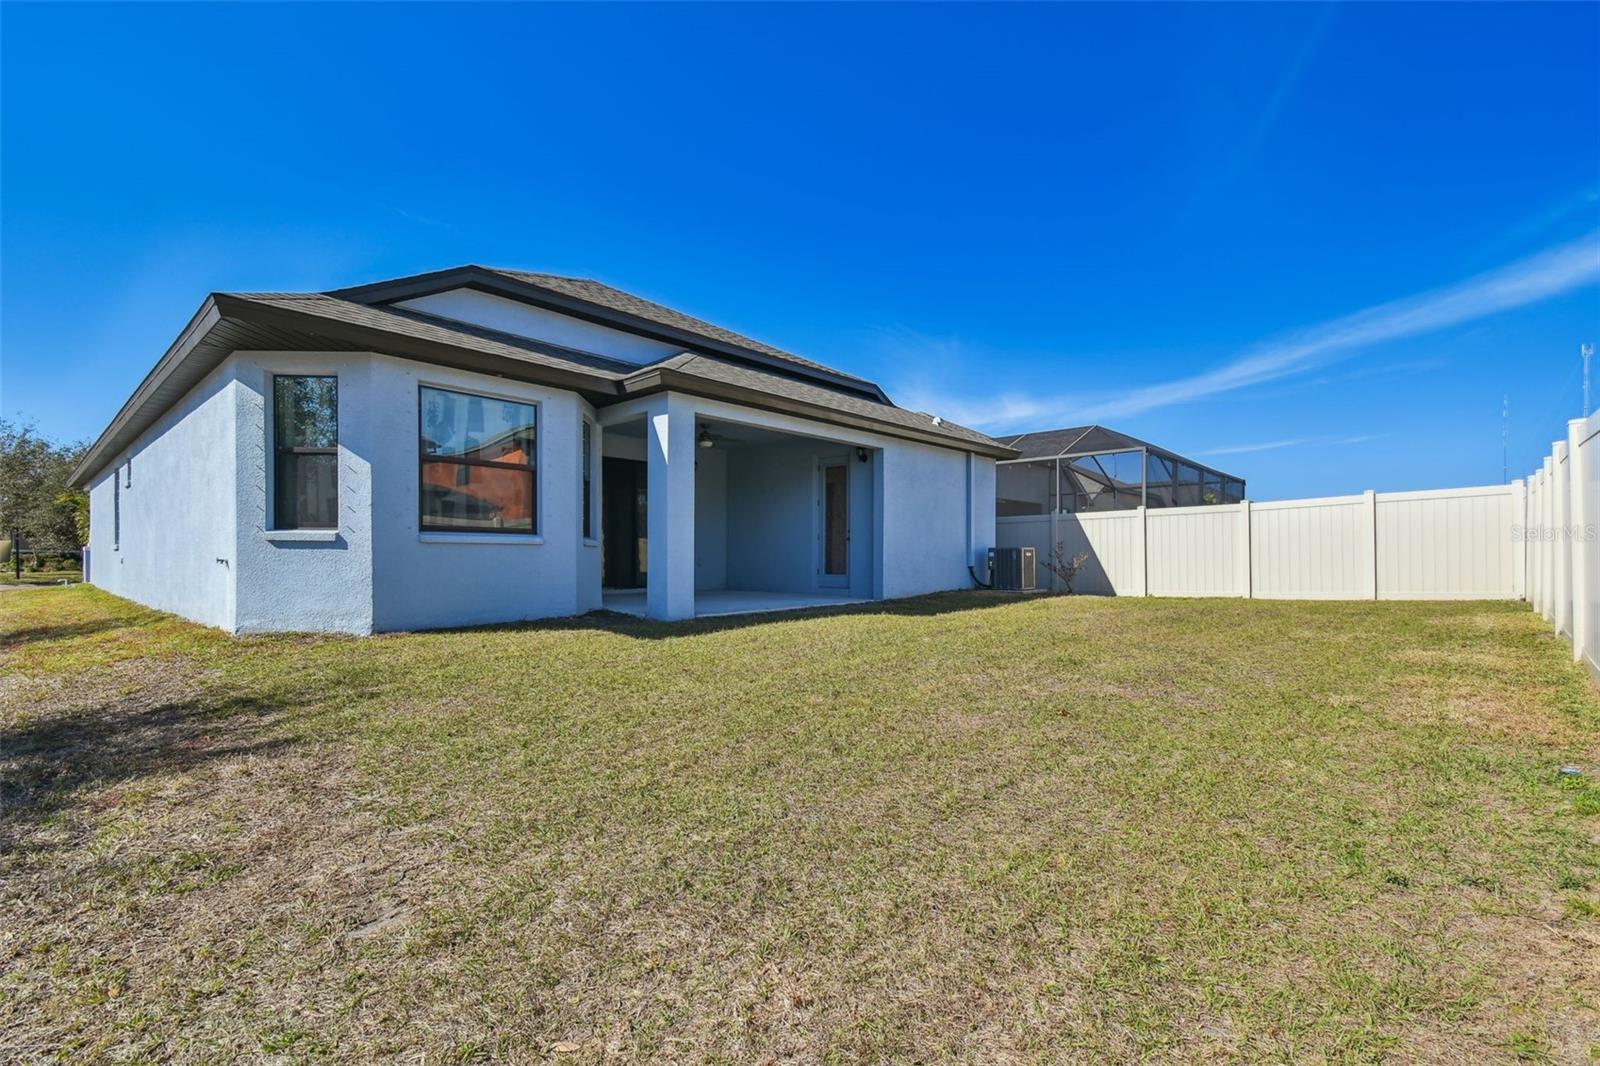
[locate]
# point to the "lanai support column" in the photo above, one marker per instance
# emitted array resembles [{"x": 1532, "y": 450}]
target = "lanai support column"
[{"x": 670, "y": 445}]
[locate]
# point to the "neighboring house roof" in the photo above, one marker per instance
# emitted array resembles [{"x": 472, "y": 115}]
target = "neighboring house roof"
[
  {"x": 1088, "y": 440},
  {"x": 715, "y": 362}
]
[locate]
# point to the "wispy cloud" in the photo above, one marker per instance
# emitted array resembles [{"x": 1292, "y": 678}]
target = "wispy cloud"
[
  {"x": 1583, "y": 202},
  {"x": 425, "y": 220},
  {"x": 1526, "y": 281},
  {"x": 1295, "y": 442},
  {"x": 1272, "y": 108},
  {"x": 1387, "y": 370}
]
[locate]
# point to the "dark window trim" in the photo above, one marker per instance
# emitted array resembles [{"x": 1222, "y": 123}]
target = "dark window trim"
[
  {"x": 277, "y": 449},
  {"x": 531, "y": 468}
]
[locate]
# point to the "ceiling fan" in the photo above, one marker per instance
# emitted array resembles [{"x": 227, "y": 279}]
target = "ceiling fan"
[{"x": 707, "y": 439}]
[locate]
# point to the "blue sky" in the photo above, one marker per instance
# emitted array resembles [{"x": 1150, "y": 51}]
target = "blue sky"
[{"x": 1315, "y": 246}]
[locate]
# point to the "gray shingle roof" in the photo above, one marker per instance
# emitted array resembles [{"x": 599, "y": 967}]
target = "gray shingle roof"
[
  {"x": 603, "y": 295},
  {"x": 719, "y": 369},
  {"x": 430, "y": 327},
  {"x": 356, "y": 320},
  {"x": 726, "y": 371}
]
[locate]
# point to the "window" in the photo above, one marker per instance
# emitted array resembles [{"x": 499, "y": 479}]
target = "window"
[
  {"x": 116, "y": 512},
  {"x": 588, "y": 480},
  {"x": 305, "y": 452},
  {"x": 478, "y": 463}
]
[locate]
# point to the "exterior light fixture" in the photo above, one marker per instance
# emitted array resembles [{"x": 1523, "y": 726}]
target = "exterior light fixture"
[
  {"x": 863, "y": 455},
  {"x": 704, "y": 439}
]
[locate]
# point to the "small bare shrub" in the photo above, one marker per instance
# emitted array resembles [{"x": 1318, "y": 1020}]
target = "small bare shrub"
[{"x": 1064, "y": 569}]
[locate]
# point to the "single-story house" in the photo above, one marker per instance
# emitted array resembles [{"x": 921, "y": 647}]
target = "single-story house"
[{"x": 474, "y": 445}]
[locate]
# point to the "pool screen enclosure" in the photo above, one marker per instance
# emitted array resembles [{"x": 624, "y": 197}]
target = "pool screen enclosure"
[{"x": 1091, "y": 468}]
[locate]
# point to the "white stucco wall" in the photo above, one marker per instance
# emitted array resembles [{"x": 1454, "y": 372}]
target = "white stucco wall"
[
  {"x": 176, "y": 550},
  {"x": 198, "y": 539},
  {"x": 981, "y": 507},
  {"x": 587, "y": 549},
  {"x": 936, "y": 519},
  {"x": 435, "y": 580},
  {"x": 196, "y": 535},
  {"x": 525, "y": 320},
  {"x": 294, "y": 579},
  {"x": 711, "y": 519},
  {"x": 771, "y": 519},
  {"x": 774, "y": 524}
]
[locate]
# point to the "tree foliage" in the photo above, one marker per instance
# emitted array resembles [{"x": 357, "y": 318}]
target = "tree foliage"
[{"x": 34, "y": 495}]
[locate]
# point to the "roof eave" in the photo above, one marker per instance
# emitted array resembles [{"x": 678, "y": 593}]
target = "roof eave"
[
  {"x": 200, "y": 324},
  {"x": 662, "y": 379},
  {"x": 594, "y": 384},
  {"x": 231, "y": 310},
  {"x": 226, "y": 308}
]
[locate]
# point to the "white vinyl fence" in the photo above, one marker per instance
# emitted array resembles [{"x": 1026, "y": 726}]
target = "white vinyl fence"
[
  {"x": 1533, "y": 540},
  {"x": 1562, "y": 530}
]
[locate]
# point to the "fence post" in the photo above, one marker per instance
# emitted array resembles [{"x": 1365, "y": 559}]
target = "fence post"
[
  {"x": 1370, "y": 502},
  {"x": 1582, "y": 582},
  {"x": 1519, "y": 539},
  {"x": 1539, "y": 527},
  {"x": 1564, "y": 570},
  {"x": 1547, "y": 520},
  {"x": 1245, "y": 577},
  {"x": 1531, "y": 546},
  {"x": 1055, "y": 538},
  {"x": 1142, "y": 586},
  {"x": 1529, "y": 549}
]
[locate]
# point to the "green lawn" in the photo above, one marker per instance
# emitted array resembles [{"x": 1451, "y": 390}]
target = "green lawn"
[
  {"x": 963, "y": 828},
  {"x": 8, "y": 576}
]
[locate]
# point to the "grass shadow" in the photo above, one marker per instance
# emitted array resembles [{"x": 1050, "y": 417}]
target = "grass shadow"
[
  {"x": 628, "y": 625},
  {"x": 14, "y": 638},
  {"x": 51, "y": 763}
]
